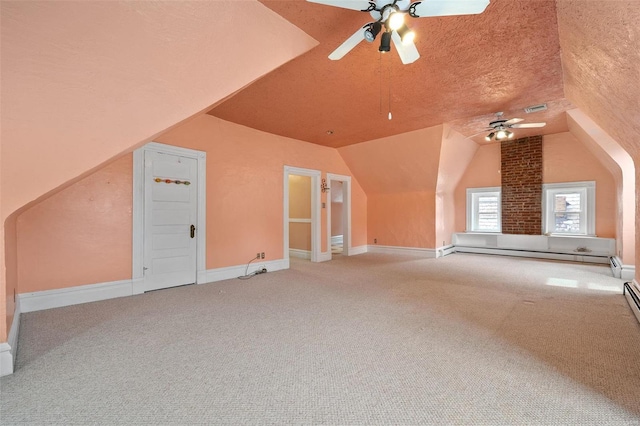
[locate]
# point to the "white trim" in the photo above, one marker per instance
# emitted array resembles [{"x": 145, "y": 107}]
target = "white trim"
[
  {"x": 9, "y": 350},
  {"x": 49, "y": 299},
  {"x": 231, "y": 272},
  {"x": 6, "y": 359},
  {"x": 472, "y": 194},
  {"x": 298, "y": 220},
  {"x": 137, "y": 272},
  {"x": 587, "y": 188},
  {"x": 346, "y": 212},
  {"x": 301, "y": 254},
  {"x": 337, "y": 239},
  {"x": 354, "y": 251},
  {"x": 535, "y": 254},
  {"x": 315, "y": 210},
  {"x": 325, "y": 256},
  {"x": 415, "y": 251},
  {"x": 628, "y": 272}
]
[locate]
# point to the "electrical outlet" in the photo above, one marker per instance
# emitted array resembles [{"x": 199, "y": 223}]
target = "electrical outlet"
[
  {"x": 257, "y": 255},
  {"x": 375, "y": 241},
  {"x": 262, "y": 255}
]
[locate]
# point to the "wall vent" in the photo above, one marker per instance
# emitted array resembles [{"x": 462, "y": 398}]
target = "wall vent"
[{"x": 535, "y": 108}]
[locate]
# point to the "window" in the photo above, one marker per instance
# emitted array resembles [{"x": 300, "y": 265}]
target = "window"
[
  {"x": 483, "y": 210},
  {"x": 569, "y": 208}
]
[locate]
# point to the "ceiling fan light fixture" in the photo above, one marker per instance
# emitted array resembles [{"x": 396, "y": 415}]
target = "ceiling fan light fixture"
[
  {"x": 501, "y": 134},
  {"x": 489, "y": 137},
  {"x": 406, "y": 35},
  {"x": 509, "y": 134},
  {"x": 396, "y": 20},
  {"x": 385, "y": 42},
  {"x": 372, "y": 31}
]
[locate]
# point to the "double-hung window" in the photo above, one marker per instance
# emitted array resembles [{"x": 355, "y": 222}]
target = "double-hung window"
[
  {"x": 483, "y": 210},
  {"x": 569, "y": 208}
]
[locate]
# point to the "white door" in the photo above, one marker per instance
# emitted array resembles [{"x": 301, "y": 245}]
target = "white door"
[{"x": 170, "y": 212}]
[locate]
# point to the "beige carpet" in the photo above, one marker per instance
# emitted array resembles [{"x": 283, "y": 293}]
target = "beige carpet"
[{"x": 369, "y": 339}]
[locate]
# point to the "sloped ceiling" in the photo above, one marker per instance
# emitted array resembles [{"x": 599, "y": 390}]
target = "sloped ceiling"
[{"x": 504, "y": 59}]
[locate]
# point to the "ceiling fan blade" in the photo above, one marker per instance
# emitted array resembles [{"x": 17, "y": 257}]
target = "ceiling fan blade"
[
  {"x": 513, "y": 121},
  {"x": 348, "y": 44},
  {"x": 408, "y": 52},
  {"x": 527, "y": 125},
  {"x": 362, "y": 5},
  {"x": 422, "y": 9}
]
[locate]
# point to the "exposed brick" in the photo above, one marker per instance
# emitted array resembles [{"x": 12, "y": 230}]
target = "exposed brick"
[{"x": 521, "y": 173}]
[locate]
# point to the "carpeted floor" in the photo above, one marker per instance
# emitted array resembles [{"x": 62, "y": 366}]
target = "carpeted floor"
[{"x": 369, "y": 339}]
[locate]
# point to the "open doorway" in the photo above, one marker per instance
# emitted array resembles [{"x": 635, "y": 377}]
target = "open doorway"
[
  {"x": 337, "y": 220},
  {"x": 339, "y": 215},
  {"x": 301, "y": 213}
]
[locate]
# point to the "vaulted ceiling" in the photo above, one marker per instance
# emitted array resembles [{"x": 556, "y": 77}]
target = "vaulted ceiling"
[{"x": 505, "y": 59}]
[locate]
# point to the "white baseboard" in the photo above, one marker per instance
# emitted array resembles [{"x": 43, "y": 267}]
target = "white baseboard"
[
  {"x": 230, "y": 272},
  {"x": 325, "y": 256},
  {"x": 534, "y": 254},
  {"x": 6, "y": 359},
  {"x": 354, "y": 251},
  {"x": 415, "y": 251},
  {"x": 58, "y": 298},
  {"x": 445, "y": 250},
  {"x": 301, "y": 254},
  {"x": 9, "y": 349},
  {"x": 337, "y": 239}
]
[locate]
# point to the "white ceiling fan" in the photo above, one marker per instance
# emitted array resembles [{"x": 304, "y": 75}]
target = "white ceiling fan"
[
  {"x": 499, "y": 128},
  {"x": 389, "y": 18}
]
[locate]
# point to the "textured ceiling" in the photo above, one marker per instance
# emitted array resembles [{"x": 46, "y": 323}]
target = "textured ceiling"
[{"x": 470, "y": 67}]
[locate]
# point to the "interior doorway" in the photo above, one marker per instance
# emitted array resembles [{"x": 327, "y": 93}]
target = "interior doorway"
[
  {"x": 301, "y": 213},
  {"x": 339, "y": 215}
]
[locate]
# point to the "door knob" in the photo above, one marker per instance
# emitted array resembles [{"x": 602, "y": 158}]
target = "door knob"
[{"x": 193, "y": 231}]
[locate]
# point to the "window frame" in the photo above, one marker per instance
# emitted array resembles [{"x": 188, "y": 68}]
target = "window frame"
[
  {"x": 472, "y": 201},
  {"x": 587, "y": 189}
]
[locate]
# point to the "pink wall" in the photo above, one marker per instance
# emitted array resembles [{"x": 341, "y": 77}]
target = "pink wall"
[
  {"x": 81, "y": 235},
  {"x": 620, "y": 165},
  {"x": 300, "y": 236},
  {"x": 300, "y": 208},
  {"x": 482, "y": 171},
  {"x": 244, "y": 170},
  {"x": 599, "y": 36},
  {"x": 455, "y": 155},
  {"x": 299, "y": 197},
  {"x": 337, "y": 195},
  {"x": 402, "y": 171},
  {"x": 565, "y": 159},
  {"x": 96, "y": 94},
  {"x": 404, "y": 219}
]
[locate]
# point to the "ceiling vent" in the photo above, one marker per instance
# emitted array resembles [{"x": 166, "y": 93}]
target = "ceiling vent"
[{"x": 535, "y": 108}]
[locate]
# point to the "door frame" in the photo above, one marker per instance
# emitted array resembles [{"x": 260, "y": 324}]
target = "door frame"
[
  {"x": 137, "y": 272},
  {"x": 346, "y": 213},
  {"x": 315, "y": 210}
]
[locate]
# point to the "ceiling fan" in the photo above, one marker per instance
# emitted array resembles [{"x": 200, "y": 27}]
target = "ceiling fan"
[
  {"x": 389, "y": 16},
  {"x": 499, "y": 128}
]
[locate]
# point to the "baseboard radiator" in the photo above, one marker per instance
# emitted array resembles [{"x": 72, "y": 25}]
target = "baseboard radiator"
[
  {"x": 616, "y": 269},
  {"x": 632, "y": 298}
]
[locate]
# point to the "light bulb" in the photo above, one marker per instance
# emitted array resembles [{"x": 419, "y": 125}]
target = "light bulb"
[
  {"x": 501, "y": 134},
  {"x": 396, "y": 20}
]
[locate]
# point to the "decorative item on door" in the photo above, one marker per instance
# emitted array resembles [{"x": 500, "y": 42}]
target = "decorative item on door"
[{"x": 177, "y": 182}]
